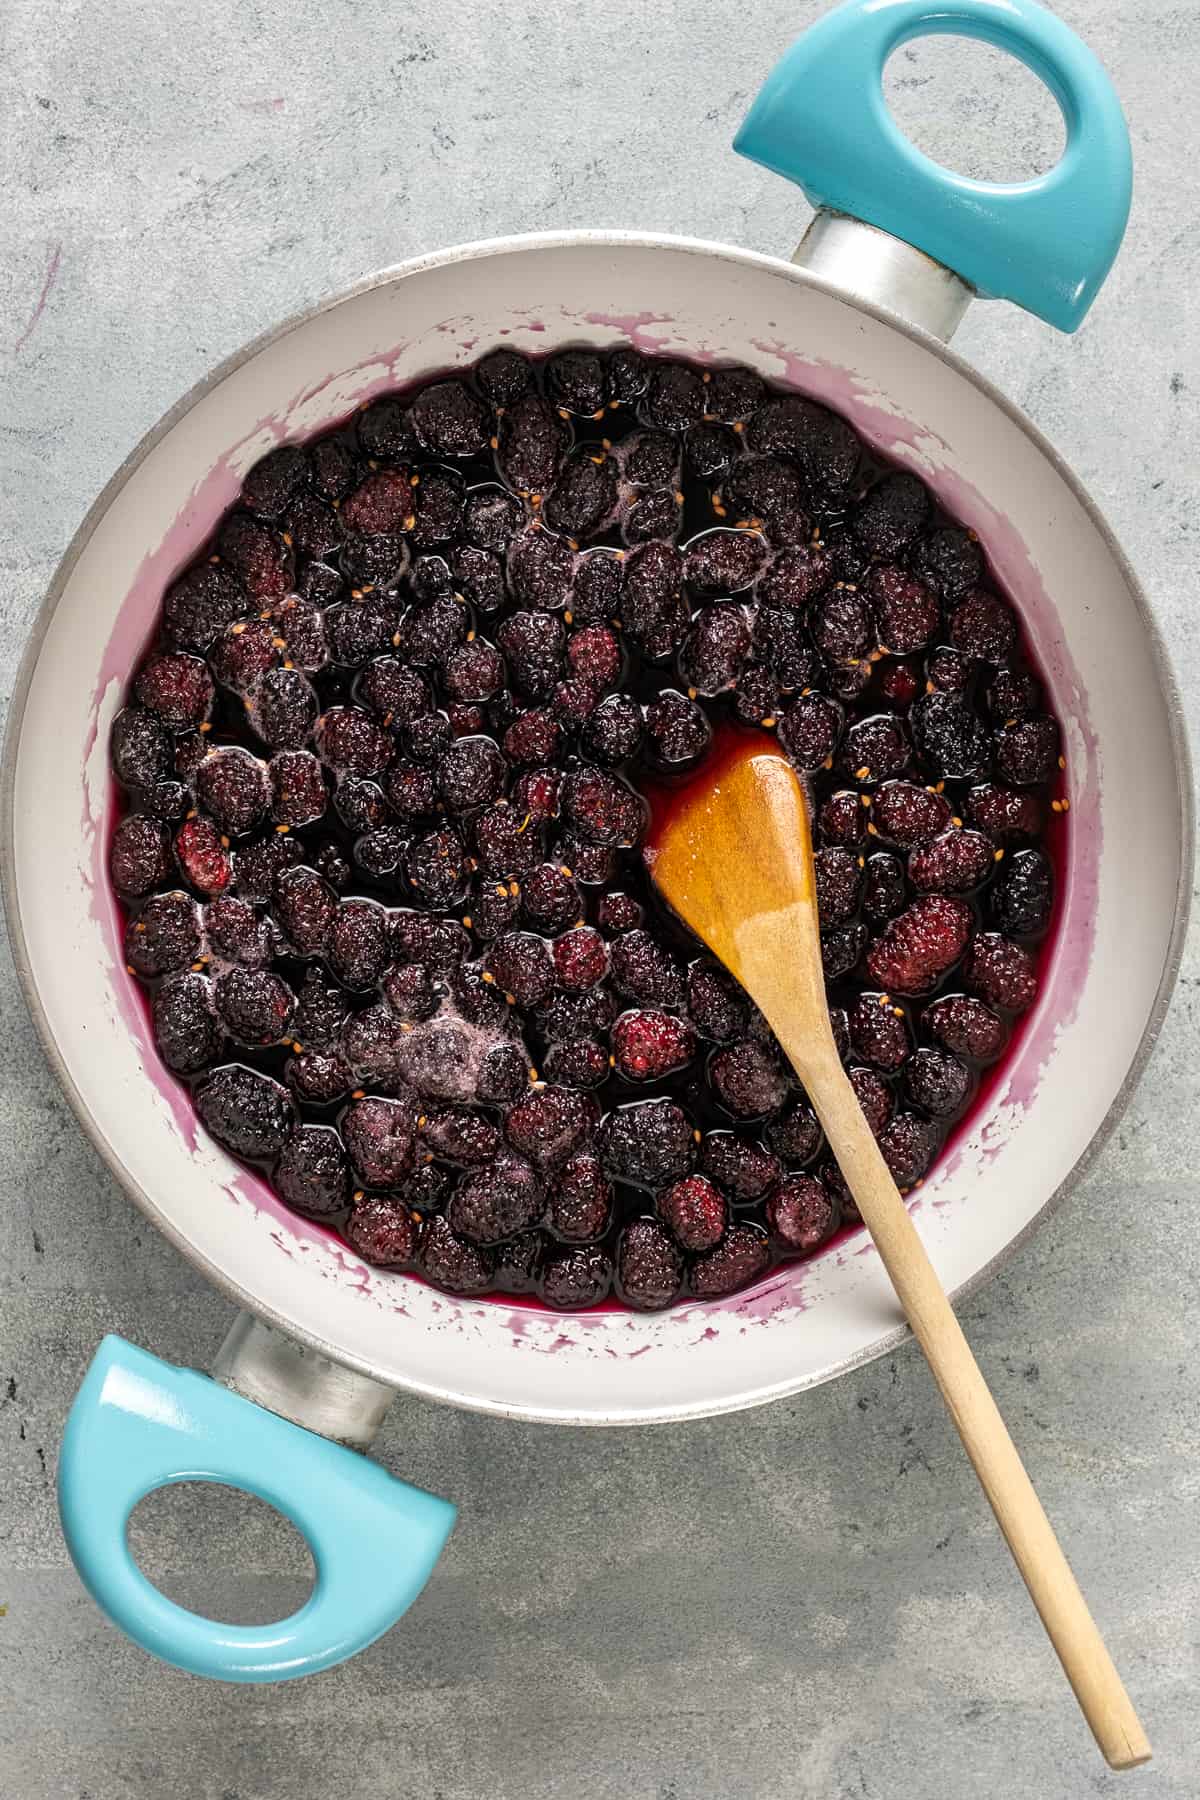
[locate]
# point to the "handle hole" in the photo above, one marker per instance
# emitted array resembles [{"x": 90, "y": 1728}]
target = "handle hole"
[
  {"x": 974, "y": 109},
  {"x": 220, "y": 1552}
]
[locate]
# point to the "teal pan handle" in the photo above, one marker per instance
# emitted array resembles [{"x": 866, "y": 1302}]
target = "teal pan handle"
[
  {"x": 821, "y": 119},
  {"x": 138, "y": 1424}
]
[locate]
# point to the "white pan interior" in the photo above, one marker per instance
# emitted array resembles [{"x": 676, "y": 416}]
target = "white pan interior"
[{"x": 1130, "y": 819}]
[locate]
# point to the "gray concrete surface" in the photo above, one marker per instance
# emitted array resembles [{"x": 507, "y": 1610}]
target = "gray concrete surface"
[{"x": 806, "y": 1601}]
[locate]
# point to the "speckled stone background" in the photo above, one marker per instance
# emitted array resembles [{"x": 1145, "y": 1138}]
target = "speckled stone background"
[{"x": 805, "y": 1601}]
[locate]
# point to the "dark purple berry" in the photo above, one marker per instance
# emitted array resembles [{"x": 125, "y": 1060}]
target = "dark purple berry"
[
  {"x": 256, "y": 868},
  {"x": 186, "y": 1028},
  {"x": 550, "y": 900},
  {"x": 384, "y": 429},
  {"x": 716, "y": 1003},
  {"x": 201, "y": 853},
  {"x": 505, "y": 844},
  {"x": 492, "y": 518},
  {"x": 982, "y": 626},
  {"x": 297, "y": 788},
  {"x": 140, "y": 855},
  {"x": 254, "y": 1006},
  {"x": 274, "y": 481},
  {"x": 914, "y": 951},
  {"x": 164, "y": 936},
  {"x": 357, "y": 632},
  {"x": 628, "y": 375},
  {"x": 534, "y": 737},
  {"x": 809, "y": 730},
  {"x": 201, "y": 603},
  {"x": 1027, "y": 750},
  {"x": 908, "y": 1144},
  {"x": 879, "y": 1032},
  {"x": 644, "y": 970},
  {"x": 890, "y": 515},
  {"x": 302, "y": 628},
  {"x": 884, "y": 891},
  {"x": 841, "y": 626},
  {"x": 875, "y": 748},
  {"x": 967, "y": 1027},
  {"x": 246, "y": 1112},
  {"x": 747, "y": 1080},
  {"x": 614, "y": 733},
  {"x": 795, "y": 1134},
  {"x": 950, "y": 739},
  {"x": 578, "y": 381},
  {"x": 908, "y": 815},
  {"x": 580, "y": 959},
  {"x": 177, "y": 687},
  {"x": 357, "y": 948},
  {"x": 382, "y": 1231},
  {"x": 540, "y": 567},
  {"x": 459, "y": 1136},
  {"x": 678, "y": 733},
  {"x": 950, "y": 559},
  {"x": 283, "y": 708},
  {"x": 581, "y": 1200},
  {"x": 380, "y": 1137},
  {"x": 449, "y": 420},
  {"x": 450, "y": 1262},
  {"x": 572, "y": 1279},
  {"x": 839, "y": 881},
  {"x": 907, "y": 612},
  {"x": 742, "y": 1167},
  {"x": 351, "y": 742},
  {"x": 602, "y": 808},
  {"x": 955, "y": 862},
  {"x": 234, "y": 787},
  {"x": 649, "y": 1266},
  {"x": 496, "y": 1202},
  {"x": 470, "y": 774},
  {"x": 937, "y": 1082},
  {"x": 716, "y": 649},
  {"x": 652, "y": 517},
  {"x": 649, "y": 1143},
  {"x": 756, "y": 697},
  {"x": 1014, "y": 693},
  {"x": 312, "y": 1174},
  {"x": 802, "y": 1214},
  {"x": 1003, "y": 972},
  {"x": 504, "y": 376},
  {"x": 583, "y": 1063},
  {"x": 694, "y": 1211},
  {"x": 317, "y": 1078},
  {"x": 436, "y": 868},
  {"x": 141, "y": 748},
  {"x": 874, "y": 1097},
  {"x": 724, "y": 562},
  {"x": 739, "y": 1258},
  {"x": 533, "y": 644},
  {"x": 1003, "y": 814},
  {"x": 650, "y": 1045},
  {"x": 842, "y": 819},
  {"x": 583, "y": 499},
  {"x": 1022, "y": 899},
  {"x": 520, "y": 964},
  {"x": 596, "y": 591},
  {"x": 533, "y": 445}
]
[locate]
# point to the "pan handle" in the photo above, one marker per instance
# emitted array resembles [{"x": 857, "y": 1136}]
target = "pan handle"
[
  {"x": 821, "y": 119},
  {"x": 138, "y": 1424}
]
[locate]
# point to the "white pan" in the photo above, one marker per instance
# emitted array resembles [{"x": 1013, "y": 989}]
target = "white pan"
[{"x": 857, "y": 324}]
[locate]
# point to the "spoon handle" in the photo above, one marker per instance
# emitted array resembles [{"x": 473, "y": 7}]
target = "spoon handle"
[{"x": 1036, "y": 1550}]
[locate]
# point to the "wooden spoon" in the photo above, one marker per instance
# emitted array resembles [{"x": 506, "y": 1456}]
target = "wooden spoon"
[{"x": 732, "y": 855}]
